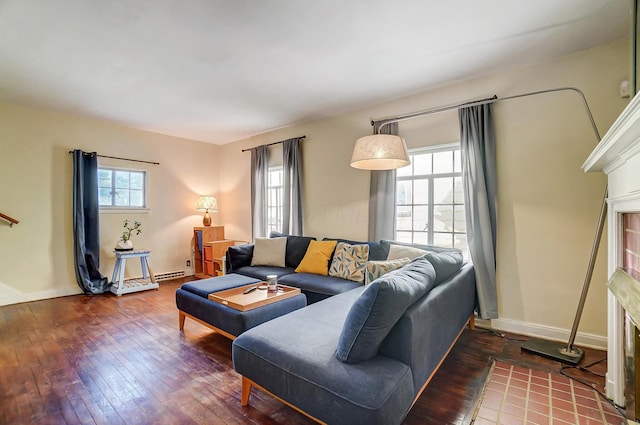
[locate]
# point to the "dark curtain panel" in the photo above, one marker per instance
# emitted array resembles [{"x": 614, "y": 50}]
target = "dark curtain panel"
[
  {"x": 86, "y": 223},
  {"x": 477, "y": 142},
  {"x": 292, "y": 197},
  {"x": 259, "y": 169},
  {"x": 382, "y": 196}
]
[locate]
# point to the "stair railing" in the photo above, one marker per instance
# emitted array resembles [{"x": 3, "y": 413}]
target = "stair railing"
[{"x": 11, "y": 220}]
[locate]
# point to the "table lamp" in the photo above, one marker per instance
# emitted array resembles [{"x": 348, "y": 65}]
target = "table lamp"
[{"x": 206, "y": 203}]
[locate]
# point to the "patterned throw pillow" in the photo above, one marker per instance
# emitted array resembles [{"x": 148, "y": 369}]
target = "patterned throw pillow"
[
  {"x": 375, "y": 269},
  {"x": 349, "y": 261}
]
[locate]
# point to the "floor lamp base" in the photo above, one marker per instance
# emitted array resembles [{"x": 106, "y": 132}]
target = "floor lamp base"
[{"x": 553, "y": 350}]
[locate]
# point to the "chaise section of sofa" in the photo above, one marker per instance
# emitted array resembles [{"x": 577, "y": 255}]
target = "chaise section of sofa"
[{"x": 295, "y": 357}]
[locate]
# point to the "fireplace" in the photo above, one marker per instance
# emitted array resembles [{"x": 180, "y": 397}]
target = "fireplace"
[
  {"x": 627, "y": 296},
  {"x": 618, "y": 155}
]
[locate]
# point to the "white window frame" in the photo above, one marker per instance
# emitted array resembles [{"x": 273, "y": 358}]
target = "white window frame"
[
  {"x": 430, "y": 205},
  {"x": 126, "y": 208},
  {"x": 274, "y": 221}
]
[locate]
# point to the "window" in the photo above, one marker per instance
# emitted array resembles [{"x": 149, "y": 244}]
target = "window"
[
  {"x": 429, "y": 199},
  {"x": 122, "y": 188},
  {"x": 274, "y": 199}
]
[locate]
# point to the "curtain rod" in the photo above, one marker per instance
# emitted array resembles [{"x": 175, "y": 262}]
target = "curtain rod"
[
  {"x": 384, "y": 121},
  {"x": 275, "y": 143},
  {"x": 122, "y": 159}
]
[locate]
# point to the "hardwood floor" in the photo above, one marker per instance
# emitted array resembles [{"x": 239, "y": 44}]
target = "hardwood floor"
[{"x": 122, "y": 360}]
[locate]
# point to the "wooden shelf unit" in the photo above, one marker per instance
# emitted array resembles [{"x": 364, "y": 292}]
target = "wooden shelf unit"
[{"x": 209, "y": 251}]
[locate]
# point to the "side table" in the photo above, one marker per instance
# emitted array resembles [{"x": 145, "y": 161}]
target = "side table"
[{"x": 120, "y": 285}]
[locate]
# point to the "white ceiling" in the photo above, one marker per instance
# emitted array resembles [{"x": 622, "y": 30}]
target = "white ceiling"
[{"x": 222, "y": 70}]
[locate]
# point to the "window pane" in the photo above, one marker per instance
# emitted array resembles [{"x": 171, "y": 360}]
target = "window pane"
[
  {"x": 405, "y": 171},
  {"x": 420, "y": 218},
  {"x": 136, "y": 198},
  {"x": 457, "y": 161},
  {"x": 421, "y": 237},
  {"x": 443, "y": 239},
  {"x": 403, "y": 218},
  {"x": 442, "y": 162},
  {"x": 458, "y": 195},
  {"x": 421, "y": 191},
  {"x": 422, "y": 164},
  {"x": 443, "y": 190},
  {"x": 459, "y": 223},
  {"x": 404, "y": 237},
  {"x": 122, "y": 179},
  {"x": 105, "y": 196},
  {"x": 443, "y": 218},
  {"x": 136, "y": 180},
  {"x": 460, "y": 242},
  {"x": 104, "y": 178},
  {"x": 404, "y": 194},
  {"x": 122, "y": 197}
]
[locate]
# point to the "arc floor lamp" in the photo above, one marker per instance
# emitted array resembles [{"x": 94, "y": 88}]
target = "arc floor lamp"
[{"x": 383, "y": 152}]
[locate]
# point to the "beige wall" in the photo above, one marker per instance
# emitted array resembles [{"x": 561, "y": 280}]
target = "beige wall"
[
  {"x": 35, "y": 187},
  {"x": 548, "y": 207}
]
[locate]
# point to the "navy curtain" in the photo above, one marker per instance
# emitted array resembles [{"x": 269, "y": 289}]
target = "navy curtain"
[
  {"x": 479, "y": 176},
  {"x": 292, "y": 197},
  {"x": 86, "y": 226}
]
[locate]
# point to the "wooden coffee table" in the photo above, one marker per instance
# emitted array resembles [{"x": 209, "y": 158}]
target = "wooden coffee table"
[{"x": 237, "y": 299}]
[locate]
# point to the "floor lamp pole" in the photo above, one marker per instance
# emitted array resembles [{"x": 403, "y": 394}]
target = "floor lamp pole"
[{"x": 557, "y": 351}]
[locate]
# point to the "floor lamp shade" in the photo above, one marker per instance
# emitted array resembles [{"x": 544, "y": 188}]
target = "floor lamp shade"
[
  {"x": 206, "y": 203},
  {"x": 380, "y": 152}
]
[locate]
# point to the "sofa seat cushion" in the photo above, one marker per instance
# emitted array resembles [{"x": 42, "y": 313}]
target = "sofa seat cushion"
[
  {"x": 380, "y": 306},
  {"x": 326, "y": 285},
  {"x": 261, "y": 272},
  {"x": 204, "y": 287},
  {"x": 299, "y": 365}
]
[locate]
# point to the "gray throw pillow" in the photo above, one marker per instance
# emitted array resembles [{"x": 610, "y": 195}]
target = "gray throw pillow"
[
  {"x": 379, "y": 307},
  {"x": 269, "y": 252}
]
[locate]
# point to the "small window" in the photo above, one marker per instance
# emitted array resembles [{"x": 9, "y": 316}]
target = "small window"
[
  {"x": 274, "y": 200},
  {"x": 122, "y": 188}
]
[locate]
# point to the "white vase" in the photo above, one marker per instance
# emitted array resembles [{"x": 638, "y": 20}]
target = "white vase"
[{"x": 124, "y": 245}]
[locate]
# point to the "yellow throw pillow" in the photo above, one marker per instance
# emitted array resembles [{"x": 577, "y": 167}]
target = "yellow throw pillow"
[{"x": 316, "y": 259}]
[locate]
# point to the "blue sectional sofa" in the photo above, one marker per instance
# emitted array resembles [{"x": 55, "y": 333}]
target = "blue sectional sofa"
[
  {"x": 358, "y": 354},
  {"x": 316, "y": 287}
]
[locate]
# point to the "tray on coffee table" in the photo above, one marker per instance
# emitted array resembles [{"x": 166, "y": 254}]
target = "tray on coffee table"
[{"x": 237, "y": 299}]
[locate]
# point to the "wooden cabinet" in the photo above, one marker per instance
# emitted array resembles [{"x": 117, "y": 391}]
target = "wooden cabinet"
[{"x": 210, "y": 248}]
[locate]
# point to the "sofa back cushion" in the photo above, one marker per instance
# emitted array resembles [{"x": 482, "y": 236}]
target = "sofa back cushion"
[
  {"x": 296, "y": 248},
  {"x": 239, "y": 256},
  {"x": 379, "y": 307},
  {"x": 445, "y": 263},
  {"x": 376, "y": 250},
  {"x": 386, "y": 245}
]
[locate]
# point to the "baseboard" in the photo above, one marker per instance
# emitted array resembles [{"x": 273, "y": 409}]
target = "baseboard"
[
  {"x": 11, "y": 296},
  {"x": 547, "y": 332}
]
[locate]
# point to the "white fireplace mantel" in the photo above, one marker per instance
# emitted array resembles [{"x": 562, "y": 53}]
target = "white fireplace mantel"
[
  {"x": 618, "y": 155},
  {"x": 619, "y": 144}
]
